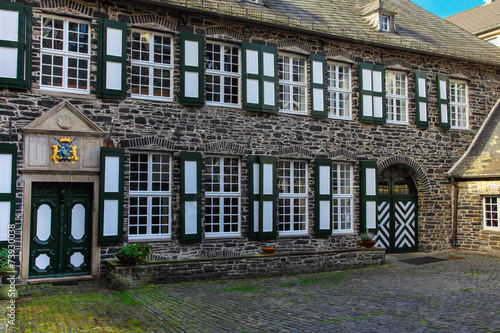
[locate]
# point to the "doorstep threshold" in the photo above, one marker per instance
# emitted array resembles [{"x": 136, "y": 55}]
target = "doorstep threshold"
[{"x": 61, "y": 279}]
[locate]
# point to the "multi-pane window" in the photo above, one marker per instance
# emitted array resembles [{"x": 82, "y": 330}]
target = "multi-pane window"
[
  {"x": 222, "y": 76},
  {"x": 292, "y": 202},
  {"x": 222, "y": 196},
  {"x": 152, "y": 68},
  {"x": 292, "y": 84},
  {"x": 491, "y": 213},
  {"x": 339, "y": 90},
  {"x": 458, "y": 105},
  {"x": 150, "y": 195},
  {"x": 65, "y": 55},
  {"x": 342, "y": 197},
  {"x": 396, "y": 85},
  {"x": 384, "y": 23}
]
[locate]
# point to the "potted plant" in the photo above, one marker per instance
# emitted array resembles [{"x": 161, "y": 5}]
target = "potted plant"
[
  {"x": 134, "y": 254},
  {"x": 366, "y": 239},
  {"x": 269, "y": 249}
]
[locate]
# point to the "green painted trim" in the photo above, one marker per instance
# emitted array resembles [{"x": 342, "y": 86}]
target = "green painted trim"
[
  {"x": 252, "y": 235},
  {"x": 363, "y": 165},
  {"x": 200, "y": 69},
  {"x": 314, "y": 113},
  {"x": 23, "y": 45},
  {"x": 380, "y": 120},
  {"x": 267, "y": 235},
  {"x": 10, "y": 149},
  {"x": 120, "y": 153},
  {"x": 245, "y": 76},
  {"x": 362, "y": 117},
  {"x": 195, "y": 157},
  {"x": 322, "y": 197},
  {"x": 418, "y": 100},
  {"x": 265, "y": 78},
  {"x": 442, "y": 101},
  {"x": 102, "y": 58}
]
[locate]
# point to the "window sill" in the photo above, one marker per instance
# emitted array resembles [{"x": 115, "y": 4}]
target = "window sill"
[
  {"x": 149, "y": 239},
  {"x": 224, "y": 105},
  {"x": 295, "y": 113},
  {"x": 344, "y": 233},
  {"x": 459, "y": 128},
  {"x": 297, "y": 235},
  {"x": 65, "y": 93},
  {"x": 151, "y": 98},
  {"x": 397, "y": 122},
  {"x": 339, "y": 118},
  {"x": 219, "y": 236}
]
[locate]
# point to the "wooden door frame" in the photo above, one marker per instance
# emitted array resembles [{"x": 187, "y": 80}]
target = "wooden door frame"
[{"x": 28, "y": 178}]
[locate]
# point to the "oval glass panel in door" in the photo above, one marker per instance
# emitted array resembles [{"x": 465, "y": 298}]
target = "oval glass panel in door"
[
  {"x": 78, "y": 221},
  {"x": 43, "y": 222}
]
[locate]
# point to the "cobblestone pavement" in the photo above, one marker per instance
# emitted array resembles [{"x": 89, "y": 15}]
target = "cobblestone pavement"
[{"x": 459, "y": 294}]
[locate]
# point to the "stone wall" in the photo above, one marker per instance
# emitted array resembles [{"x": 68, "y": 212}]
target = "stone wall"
[
  {"x": 471, "y": 232},
  {"x": 237, "y": 132},
  {"x": 245, "y": 266}
]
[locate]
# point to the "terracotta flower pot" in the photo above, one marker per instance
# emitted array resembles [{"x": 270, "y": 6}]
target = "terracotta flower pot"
[
  {"x": 366, "y": 243},
  {"x": 269, "y": 250}
]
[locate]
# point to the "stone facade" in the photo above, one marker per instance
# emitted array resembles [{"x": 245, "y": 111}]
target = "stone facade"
[{"x": 146, "y": 125}]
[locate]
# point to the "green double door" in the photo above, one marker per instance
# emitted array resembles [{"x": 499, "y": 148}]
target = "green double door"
[{"x": 60, "y": 242}]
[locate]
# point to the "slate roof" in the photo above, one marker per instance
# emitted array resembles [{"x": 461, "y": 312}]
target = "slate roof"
[
  {"x": 482, "y": 159},
  {"x": 479, "y": 18},
  {"x": 416, "y": 28}
]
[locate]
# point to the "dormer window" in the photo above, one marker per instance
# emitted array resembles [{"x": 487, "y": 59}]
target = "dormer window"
[
  {"x": 257, "y": 2},
  {"x": 379, "y": 15},
  {"x": 384, "y": 23}
]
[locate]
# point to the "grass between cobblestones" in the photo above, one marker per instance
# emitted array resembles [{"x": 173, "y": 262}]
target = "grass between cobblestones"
[{"x": 445, "y": 296}]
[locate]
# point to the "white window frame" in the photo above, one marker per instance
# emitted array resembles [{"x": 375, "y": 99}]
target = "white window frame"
[
  {"x": 393, "y": 97},
  {"x": 291, "y": 83},
  {"x": 66, "y": 55},
  {"x": 223, "y": 194},
  {"x": 492, "y": 211},
  {"x": 335, "y": 91},
  {"x": 150, "y": 194},
  {"x": 292, "y": 196},
  {"x": 152, "y": 65},
  {"x": 223, "y": 74},
  {"x": 384, "y": 23},
  {"x": 337, "y": 195},
  {"x": 455, "y": 105}
]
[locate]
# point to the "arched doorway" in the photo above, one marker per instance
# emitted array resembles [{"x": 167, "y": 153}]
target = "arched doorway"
[{"x": 397, "y": 210}]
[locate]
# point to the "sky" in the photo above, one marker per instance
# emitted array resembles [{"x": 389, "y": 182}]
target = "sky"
[{"x": 444, "y": 8}]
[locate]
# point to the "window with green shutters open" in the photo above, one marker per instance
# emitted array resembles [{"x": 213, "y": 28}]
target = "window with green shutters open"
[
  {"x": 292, "y": 197},
  {"x": 150, "y": 195},
  {"x": 222, "y": 74},
  {"x": 222, "y": 196},
  {"x": 65, "y": 55},
  {"x": 292, "y": 84},
  {"x": 152, "y": 66},
  {"x": 339, "y": 90}
]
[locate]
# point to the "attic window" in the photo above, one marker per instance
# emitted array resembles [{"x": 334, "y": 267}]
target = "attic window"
[
  {"x": 379, "y": 15},
  {"x": 384, "y": 23},
  {"x": 257, "y": 2}
]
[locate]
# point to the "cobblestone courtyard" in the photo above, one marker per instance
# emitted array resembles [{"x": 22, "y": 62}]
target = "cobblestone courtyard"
[{"x": 459, "y": 294}]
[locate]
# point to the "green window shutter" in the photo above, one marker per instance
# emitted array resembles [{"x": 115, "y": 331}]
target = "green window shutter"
[
  {"x": 15, "y": 45},
  {"x": 111, "y": 196},
  {"x": 269, "y": 84},
  {"x": 318, "y": 87},
  {"x": 190, "y": 197},
  {"x": 371, "y": 93},
  {"x": 421, "y": 102},
  {"x": 368, "y": 195},
  {"x": 8, "y": 160},
  {"x": 251, "y": 77},
  {"x": 323, "y": 197},
  {"x": 262, "y": 189},
  {"x": 192, "y": 89},
  {"x": 112, "y": 59},
  {"x": 443, "y": 101},
  {"x": 260, "y": 77}
]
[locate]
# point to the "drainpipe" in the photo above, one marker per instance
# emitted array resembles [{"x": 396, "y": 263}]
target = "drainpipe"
[{"x": 454, "y": 212}]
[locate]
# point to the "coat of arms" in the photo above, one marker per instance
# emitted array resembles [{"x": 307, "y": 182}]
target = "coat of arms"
[{"x": 64, "y": 151}]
